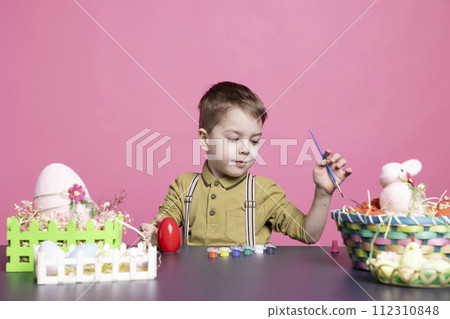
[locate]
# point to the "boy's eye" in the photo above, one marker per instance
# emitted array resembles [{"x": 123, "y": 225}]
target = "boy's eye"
[{"x": 235, "y": 139}]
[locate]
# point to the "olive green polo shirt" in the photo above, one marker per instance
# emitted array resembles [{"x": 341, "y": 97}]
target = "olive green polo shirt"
[{"x": 217, "y": 214}]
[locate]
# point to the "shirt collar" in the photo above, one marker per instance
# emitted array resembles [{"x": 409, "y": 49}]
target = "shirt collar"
[{"x": 227, "y": 182}]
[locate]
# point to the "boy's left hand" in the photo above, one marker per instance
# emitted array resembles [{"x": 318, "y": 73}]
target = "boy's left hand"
[{"x": 322, "y": 177}]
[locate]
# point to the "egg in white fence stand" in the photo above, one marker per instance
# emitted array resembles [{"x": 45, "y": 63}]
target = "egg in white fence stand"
[
  {"x": 50, "y": 251},
  {"x": 88, "y": 250}
]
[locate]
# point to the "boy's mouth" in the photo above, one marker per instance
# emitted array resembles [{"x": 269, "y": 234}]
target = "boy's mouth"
[{"x": 241, "y": 164}]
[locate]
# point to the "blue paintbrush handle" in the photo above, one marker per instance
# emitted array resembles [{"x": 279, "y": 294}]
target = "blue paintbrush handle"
[
  {"x": 317, "y": 144},
  {"x": 328, "y": 166}
]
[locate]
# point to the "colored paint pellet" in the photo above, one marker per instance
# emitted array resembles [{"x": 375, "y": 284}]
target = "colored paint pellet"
[
  {"x": 236, "y": 251},
  {"x": 224, "y": 251},
  {"x": 259, "y": 249},
  {"x": 212, "y": 252},
  {"x": 270, "y": 249},
  {"x": 248, "y": 250}
]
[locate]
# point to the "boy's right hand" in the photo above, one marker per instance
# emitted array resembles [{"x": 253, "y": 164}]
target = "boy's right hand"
[{"x": 150, "y": 232}]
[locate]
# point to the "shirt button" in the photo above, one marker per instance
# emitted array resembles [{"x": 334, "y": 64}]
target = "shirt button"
[
  {"x": 213, "y": 196},
  {"x": 216, "y": 183},
  {"x": 212, "y": 213}
]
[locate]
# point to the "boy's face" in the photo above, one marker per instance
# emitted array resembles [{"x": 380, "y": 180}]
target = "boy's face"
[{"x": 233, "y": 144}]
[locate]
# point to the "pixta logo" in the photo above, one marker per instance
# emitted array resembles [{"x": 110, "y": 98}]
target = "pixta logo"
[{"x": 144, "y": 145}]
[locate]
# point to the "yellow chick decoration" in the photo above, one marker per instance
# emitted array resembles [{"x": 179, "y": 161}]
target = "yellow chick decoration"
[
  {"x": 411, "y": 261},
  {"x": 413, "y": 256}
]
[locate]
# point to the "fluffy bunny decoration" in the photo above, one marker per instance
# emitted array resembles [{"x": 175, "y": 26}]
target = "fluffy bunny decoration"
[{"x": 398, "y": 191}]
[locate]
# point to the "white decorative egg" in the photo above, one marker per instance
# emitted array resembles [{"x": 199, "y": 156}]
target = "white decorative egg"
[
  {"x": 51, "y": 251},
  {"x": 51, "y": 194},
  {"x": 89, "y": 250}
]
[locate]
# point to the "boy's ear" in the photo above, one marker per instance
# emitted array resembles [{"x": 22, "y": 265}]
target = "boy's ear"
[{"x": 203, "y": 136}]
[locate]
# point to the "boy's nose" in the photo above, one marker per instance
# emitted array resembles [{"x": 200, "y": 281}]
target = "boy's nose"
[{"x": 244, "y": 146}]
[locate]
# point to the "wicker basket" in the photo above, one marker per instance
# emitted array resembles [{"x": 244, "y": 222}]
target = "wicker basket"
[{"x": 359, "y": 230}]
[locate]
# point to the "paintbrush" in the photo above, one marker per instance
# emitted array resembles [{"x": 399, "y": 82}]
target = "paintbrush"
[{"x": 328, "y": 166}]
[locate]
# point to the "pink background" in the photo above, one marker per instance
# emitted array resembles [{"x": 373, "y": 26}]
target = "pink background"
[{"x": 70, "y": 94}]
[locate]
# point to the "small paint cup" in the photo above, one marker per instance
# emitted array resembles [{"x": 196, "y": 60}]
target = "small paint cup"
[
  {"x": 259, "y": 249},
  {"x": 236, "y": 251},
  {"x": 247, "y": 250},
  {"x": 224, "y": 251},
  {"x": 212, "y": 252},
  {"x": 270, "y": 249}
]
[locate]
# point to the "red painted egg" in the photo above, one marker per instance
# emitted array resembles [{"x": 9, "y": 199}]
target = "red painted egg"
[{"x": 168, "y": 236}]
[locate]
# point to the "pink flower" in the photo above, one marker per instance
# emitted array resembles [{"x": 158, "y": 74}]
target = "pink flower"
[{"x": 76, "y": 193}]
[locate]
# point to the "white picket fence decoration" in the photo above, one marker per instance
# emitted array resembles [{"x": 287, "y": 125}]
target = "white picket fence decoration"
[{"x": 118, "y": 258}]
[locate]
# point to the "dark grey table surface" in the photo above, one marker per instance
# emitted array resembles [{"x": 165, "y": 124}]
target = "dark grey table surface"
[{"x": 293, "y": 273}]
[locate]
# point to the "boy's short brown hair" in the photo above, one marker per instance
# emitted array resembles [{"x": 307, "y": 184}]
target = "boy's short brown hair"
[{"x": 225, "y": 96}]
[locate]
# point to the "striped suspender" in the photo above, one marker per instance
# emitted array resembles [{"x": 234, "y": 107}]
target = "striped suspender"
[
  {"x": 187, "y": 207},
  {"x": 250, "y": 206},
  {"x": 250, "y": 210}
]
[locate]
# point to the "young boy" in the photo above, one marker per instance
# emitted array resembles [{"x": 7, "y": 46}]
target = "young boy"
[{"x": 227, "y": 207}]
